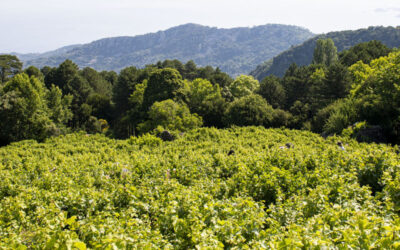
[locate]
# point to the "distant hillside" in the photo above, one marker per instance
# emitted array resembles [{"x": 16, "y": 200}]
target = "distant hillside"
[
  {"x": 32, "y": 56},
  {"x": 302, "y": 54},
  {"x": 235, "y": 51}
]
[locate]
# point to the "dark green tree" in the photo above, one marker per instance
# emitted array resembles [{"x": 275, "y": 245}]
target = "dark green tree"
[
  {"x": 25, "y": 112},
  {"x": 9, "y": 66},
  {"x": 337, "y": 82},
  {"x": 101, "y": 106},
  {"x": 33, "y": 71},
  {"x": 365, "y": 52},
  {"x": 97, "y": 82},
  {"x": 163, "y": 84},
  {"x": 272, "y": 90},
  {"x": 249, "y": 110},
  {"x": 325, "y": 52},
  {"x": 62, "y": 75},
  {"x": 122, "y": 90},
  {"x": 80, "y": 89},
  {"x": 110, "y": 76}
]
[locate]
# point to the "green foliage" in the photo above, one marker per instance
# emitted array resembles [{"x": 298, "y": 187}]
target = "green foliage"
[
  {"x": 88, "y": 191},
  {"x": 123, "y": 88},
  {"x": 325, "y": 52},
  {"x": 204, "y": 99},
  {"x": 190, "y": 71},
  {"x": 272, "y": 90},
  {"x": 145, "y": 140},
  {"x": 243, "y": 86},
  {"x": 374, "y": 98},
  {"x": 344, "y": 113},
  {"x": 62, "y": 75},
  {"x": 351, "y": 131},
  {"x": 101, "y": 106},
  {"x": 97, "y": 82},
  {"x": 9, "y": 66},
  {"x": 162, "y": 84},
  {"x": 33, "y": 71},
  {"x": 80, "y": 89},
  {"x": 170, "y": 115},
  {"x": 59, "y": 106},
  {"x": 365, "y": 52},
  {"x": 337, "y": 82},
  {"x": 29, "y": 111},
  {"x": 249, "y": 110}
]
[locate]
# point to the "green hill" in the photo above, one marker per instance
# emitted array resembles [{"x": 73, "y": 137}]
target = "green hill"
[
  {"x": 302, "y": 54},
  {"x": 79, "y": 191},
  {"x": 235, "y": 51}
]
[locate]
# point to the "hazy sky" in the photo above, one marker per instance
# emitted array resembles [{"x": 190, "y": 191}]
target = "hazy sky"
[{"x": 42, "y": 25}]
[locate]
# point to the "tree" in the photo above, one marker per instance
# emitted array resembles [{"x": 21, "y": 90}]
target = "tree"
[
  {"x": 127, "y": 80},
  {"x": 249, "y": 110},
  {"x": 374, "y": 98},
  {"x": 24, "y": 110},
  {"x": 365, "y": 52},
  {"x": 59, "y": 106},
  {"x": 297, "y": 83},
  {"x": 190, "y": 70},
  {"x": 110, "y": 76},
  {"x": 9, "y": 66},
  {"x": 377, "y": 92},
  {"x": 80, "y": 89},
  {"x": 101, "y": 106},
  {"x": 337, "y": 82},
  {"x": 204, "y": 99},
  {"x": 272, "y": 90},
  {"x": 97, "y": 82},
  {"x": 163, "y": 84},
  {"x": 243, "y": 85},
  {"x": 33, "y": 71},
  {"x": 170, "y": 115},
  {"x": 343, "y": 113},
  {"x": 325, "y": 52},
  {"x": 63, "y": 75}
]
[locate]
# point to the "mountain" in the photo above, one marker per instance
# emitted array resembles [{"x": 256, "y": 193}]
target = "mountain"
[
  {"x": 57, "y": 52},
  {"x": 235, "y": 51},
  {"x": 303, "y": 54}
]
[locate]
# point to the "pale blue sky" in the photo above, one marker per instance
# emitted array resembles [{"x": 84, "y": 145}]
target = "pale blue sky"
[{"x": 38, "y": 26}]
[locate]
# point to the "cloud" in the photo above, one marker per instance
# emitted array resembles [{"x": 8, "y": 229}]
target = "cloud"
[
  {"x": 381, "y": 10},
  {"x": 392, "y": 10},
  {"x": 384, "y": 10}
]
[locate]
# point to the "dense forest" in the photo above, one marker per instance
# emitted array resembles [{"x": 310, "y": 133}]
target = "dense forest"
[
  {"x": 328, "y": 96},
  {"x": 235, "y": 51},
  {"x": 303, "y": 54}
]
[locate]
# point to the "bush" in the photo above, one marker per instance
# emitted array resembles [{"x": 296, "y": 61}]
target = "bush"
[
  {"x": 170, "y": 115},
  {"x": 249, "y": 110}
]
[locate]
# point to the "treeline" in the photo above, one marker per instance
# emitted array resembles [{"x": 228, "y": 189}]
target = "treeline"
[
  {"x": 335, "y": 91},
  {"x": 353, "y": 90}
]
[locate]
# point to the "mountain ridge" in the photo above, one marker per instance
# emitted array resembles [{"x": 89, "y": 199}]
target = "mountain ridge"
[
  {"x": 302, "y": 54},
  {"x": 234, "y": 50}
]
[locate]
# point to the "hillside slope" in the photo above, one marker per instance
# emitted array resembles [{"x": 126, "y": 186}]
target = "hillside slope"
[
  {"x": 302, "y": 54},
  {"x": 235, "y": 51}
]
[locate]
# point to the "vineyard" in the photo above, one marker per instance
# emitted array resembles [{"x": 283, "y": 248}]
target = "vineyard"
[{"x": 245, "y": 188}]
